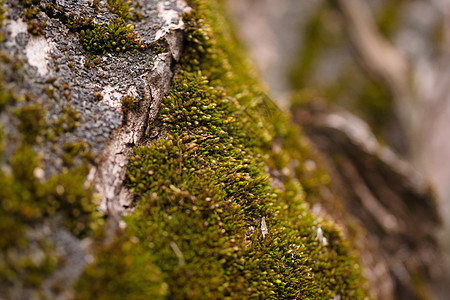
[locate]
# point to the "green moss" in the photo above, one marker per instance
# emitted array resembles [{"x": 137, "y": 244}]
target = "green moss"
[
  {"x": 2, "y": 13},
  {"x": 117, "y": 35},
  {"x": 31, "y": 117},
  {"x": 202, "y": 189},
  {"x": 71, "y": 151},
  {"x": 120, "y": 8},
  {"x": 49, "y": 90},
  {"x": 33, "y": 198},
  {"x": 98, "y": 97},
  {"x": 2, "y": 18},
  {"x": 96, "y": 5},
  {"x": 68, "y": 122},
  {"x": 36, "y": 28},
  {"x": 29, "y": 3},
  {"x": 199, "y": 191},
  {"x": 1, "y": 142},
  {"x": 122, "y": 271},
  {"x": 156, "y": 47},
  {"x": 27, "y": 265},
  {"x": 6, "y": 97},
  {"x": 31, "y": 11},
  {"x": 27, "y": 200}
]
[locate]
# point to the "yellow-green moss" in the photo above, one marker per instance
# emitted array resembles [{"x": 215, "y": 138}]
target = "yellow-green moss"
[
  {"x": 31, "y": 117},
  {"x": 202, "y": 190},
  {"x": 129, "y": 104},
  {"x": 31, "y": 10},
  {"x": 116, "y": 35},
  {"x": 203, "y": 187},
  {"x": 27, "y": 200},
  {"x": 6, "y": 97},
  {"x": 122, "y": 270}
]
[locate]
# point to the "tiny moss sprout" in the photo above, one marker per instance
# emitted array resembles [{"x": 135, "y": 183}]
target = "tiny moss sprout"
[
  {"x": 36, "y": 28},
  {"x": 31, "y": 11},
  {"x": 120, "y": 8},
  {"x": 96, "y": 5},
  {"x": 129, "y": 104},
  {"x": 98, "y": 96}
]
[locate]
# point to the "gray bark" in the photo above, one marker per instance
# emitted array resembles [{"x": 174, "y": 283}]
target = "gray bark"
[{"x": 57, "y": 56}]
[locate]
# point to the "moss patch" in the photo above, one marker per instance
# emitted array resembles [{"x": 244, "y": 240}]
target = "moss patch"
[
  {"x": 122, "y": 270},
  {"x": 202, "y": 190},
  {"x": 34, "y": 26},
  {"x": 115, "y": 35}
]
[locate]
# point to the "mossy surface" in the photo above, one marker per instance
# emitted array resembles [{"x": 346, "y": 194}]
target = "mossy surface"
[
  {"x": 28, "y": 196},
  {"x": 116, "y": 34},
  {"x": 209, "y": 218},
  {"x": 27, "y": 200},
  {"x": 31, "y": 10},
  {"x": 123, "y": 270},
  {"x": 47, "y": 203}
]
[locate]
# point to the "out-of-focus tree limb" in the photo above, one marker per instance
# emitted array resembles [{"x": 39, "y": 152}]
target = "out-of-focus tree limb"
[{"x": 379, "y": 56}]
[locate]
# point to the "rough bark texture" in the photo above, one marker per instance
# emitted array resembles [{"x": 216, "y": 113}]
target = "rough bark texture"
[
  {"x": 84, "y": 90},
  {"x": 111, "y": 173}
]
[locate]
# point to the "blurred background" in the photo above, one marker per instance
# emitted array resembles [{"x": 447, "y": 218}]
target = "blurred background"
[{"x": 386, "y": 62}]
